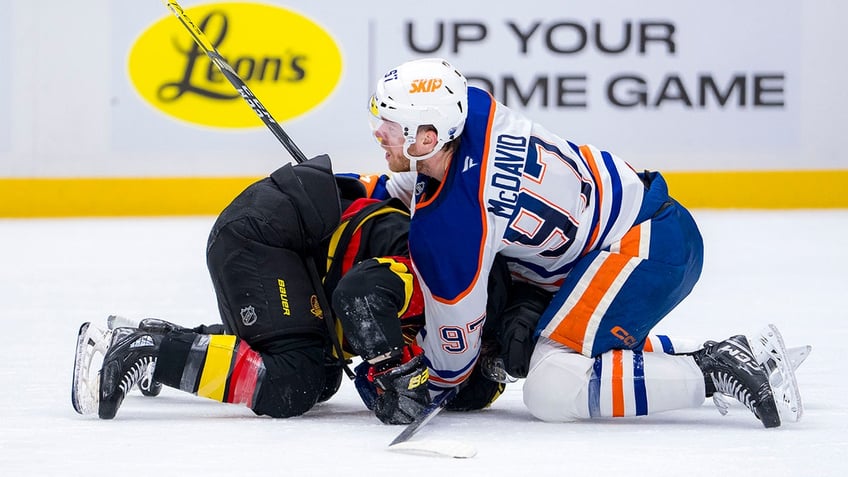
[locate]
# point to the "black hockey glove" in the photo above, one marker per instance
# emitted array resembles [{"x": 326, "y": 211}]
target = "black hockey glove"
[
  {"x": 518, "y": 325},
  {"x": 477, "y": 392},
  {"x": 401, "y": 390}
]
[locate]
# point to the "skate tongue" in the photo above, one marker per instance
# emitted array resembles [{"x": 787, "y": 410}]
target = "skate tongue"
[{"x": 118, "y": 321}]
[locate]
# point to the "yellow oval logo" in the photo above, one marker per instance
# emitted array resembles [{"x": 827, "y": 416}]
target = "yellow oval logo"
[{"x": 290, "y": 63}]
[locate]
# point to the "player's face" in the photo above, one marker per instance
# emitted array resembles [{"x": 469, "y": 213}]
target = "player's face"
[
  {"x": 390, "y": 137},
  {"x": 388, "y": 134}
]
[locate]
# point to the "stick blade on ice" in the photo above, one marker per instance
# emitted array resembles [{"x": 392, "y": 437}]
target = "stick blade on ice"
[{"x": 436, "y": 447}]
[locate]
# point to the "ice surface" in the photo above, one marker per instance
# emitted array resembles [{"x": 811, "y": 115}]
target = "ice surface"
[{"x": 788, "y": 268}]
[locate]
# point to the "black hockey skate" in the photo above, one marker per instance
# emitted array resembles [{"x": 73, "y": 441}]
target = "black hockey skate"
[
  {"x": 131, "y": 355},
  {"x": 146, "y": 384},
  {"x": 731, "y": 369}
]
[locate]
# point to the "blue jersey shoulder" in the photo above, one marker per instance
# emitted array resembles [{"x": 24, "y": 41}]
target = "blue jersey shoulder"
[{"x": 447, "y": 233}]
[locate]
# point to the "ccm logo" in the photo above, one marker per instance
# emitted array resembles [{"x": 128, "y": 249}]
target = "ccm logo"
[{"x": 624, "y": 336}]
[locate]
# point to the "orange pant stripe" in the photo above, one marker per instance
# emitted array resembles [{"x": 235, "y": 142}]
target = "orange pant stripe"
[{"x": 573, "y": 327}]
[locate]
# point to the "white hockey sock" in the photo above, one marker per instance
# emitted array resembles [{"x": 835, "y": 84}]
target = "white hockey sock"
[
  {"x": 671, "y": 345},
  {"x": 563, "y": 385}
]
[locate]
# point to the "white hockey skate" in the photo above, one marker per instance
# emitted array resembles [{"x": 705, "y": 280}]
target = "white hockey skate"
[
  {"x": 769, "y": 350},
  {"x": 92, "y": 344}
]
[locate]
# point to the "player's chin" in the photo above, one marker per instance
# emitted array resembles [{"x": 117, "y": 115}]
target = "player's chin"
[{"x": 397, "y": 166}]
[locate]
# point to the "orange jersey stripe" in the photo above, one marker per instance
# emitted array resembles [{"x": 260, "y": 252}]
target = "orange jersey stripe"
[
  {"x": 590, "y": 160},
  {"x": 370, "y": 183}
]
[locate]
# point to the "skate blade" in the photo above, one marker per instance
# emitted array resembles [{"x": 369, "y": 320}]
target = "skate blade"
[
  {"x": 797, "y": 355},
  {"x": 85, "y": 387},
  {"x": 771, "y": 354}
]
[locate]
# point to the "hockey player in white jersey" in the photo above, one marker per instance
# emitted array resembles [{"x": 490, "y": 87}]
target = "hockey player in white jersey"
[{"x": 617, "y": 252}]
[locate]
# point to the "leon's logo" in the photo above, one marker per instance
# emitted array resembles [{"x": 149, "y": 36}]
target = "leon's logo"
[{"x": 289, "y": 62}]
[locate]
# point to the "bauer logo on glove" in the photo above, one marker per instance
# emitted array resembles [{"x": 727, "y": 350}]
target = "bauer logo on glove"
[{"x": 422, "y": 378}]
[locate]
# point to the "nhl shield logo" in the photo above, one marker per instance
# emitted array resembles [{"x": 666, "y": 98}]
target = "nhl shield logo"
[{"x": 248, "y": 315}]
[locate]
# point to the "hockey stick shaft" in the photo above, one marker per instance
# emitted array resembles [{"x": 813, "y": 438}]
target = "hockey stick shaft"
[
  {"x": 426, "y": 414},
  {"x": 203, "y": 42}
]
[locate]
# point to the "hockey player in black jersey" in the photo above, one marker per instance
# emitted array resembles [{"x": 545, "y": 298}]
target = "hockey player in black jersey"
[{"x": 278, "y": 255}]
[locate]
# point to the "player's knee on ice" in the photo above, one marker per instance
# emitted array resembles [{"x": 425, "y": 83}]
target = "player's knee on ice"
[
  {"x": 294, "y": 379},
  {"x": 556, "y": 384}
]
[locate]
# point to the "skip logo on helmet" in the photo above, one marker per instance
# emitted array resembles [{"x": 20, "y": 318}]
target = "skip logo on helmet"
[{"x": 425, "y": 85}]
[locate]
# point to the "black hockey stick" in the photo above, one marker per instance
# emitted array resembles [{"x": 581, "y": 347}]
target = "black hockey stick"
[
  {"x": 425, "y": 416},
  {"x": 448, "y": 448},
  {"x": 231, "y": 75}
]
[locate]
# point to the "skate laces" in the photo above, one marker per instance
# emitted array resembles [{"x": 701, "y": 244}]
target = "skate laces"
[
  {"x": 728, "y": 385},
  {"x": 146, "y": 381},
  {"x": 142, "y": 368},
  {"x": 138, "y": 370},
  {"x": 721, "y": 403}
]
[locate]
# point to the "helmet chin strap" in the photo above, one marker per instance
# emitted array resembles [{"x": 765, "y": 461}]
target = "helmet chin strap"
[
  {"x": 436, "y": 148},
  {"x": 413, "y": 166}
]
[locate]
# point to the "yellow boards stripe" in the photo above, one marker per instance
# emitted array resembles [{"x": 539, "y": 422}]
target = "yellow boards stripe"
[
  {"x": 180, "y": 196},
  {"x": 810, "y": 189},
  {"x": 118, "y": 197},
  {"x": 219, "y": 359}
]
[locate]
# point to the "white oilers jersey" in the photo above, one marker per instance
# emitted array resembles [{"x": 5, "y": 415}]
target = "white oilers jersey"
[
  {"x": 401, "y": 186},
  {"x": 513, "y": 188}
]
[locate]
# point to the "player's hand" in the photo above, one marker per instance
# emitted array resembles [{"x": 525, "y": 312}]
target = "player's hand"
[{"x": 401, "y": 391}]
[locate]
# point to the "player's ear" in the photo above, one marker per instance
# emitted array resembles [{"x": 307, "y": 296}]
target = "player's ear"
[
  {"x": 427, "y": 135},
  {"x": 431, "y": 137}
]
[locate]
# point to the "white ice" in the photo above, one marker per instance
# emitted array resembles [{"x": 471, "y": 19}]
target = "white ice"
[{"x": 787, "y": 268}]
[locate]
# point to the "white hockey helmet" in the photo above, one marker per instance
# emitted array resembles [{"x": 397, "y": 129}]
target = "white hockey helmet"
[{"x": 425, "y": 92}]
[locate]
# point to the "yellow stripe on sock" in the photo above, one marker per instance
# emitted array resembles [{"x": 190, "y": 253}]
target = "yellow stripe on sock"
[{"x": 216, "y": 370}]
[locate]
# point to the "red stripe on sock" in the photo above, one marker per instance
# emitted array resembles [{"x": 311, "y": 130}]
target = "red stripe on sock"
[{"x": 245, "y": 375}]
